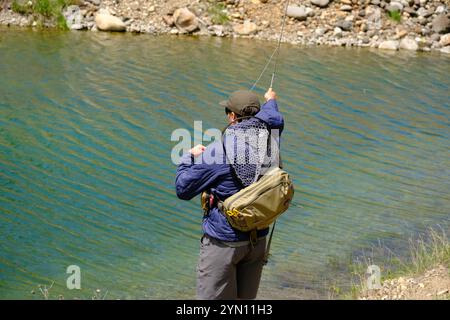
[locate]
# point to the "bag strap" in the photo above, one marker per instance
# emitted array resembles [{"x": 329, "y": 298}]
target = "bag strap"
[
  {"x": 280, "y": 165},
  {"x": 266, "y": 254}
]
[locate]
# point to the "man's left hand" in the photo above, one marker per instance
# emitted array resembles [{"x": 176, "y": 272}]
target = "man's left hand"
[{"x": 197, "y": 150}]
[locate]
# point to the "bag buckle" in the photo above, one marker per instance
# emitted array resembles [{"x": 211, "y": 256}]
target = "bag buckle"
[{"x": 233, "y": 213}]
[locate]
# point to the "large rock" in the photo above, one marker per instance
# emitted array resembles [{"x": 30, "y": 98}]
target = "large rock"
[
  {"x": 297, "y": 12},
  {"x": 168, "y": 20},
  {"x": 320, "y": 31},
  {"x": 435, "y": 37},
  {"x": 310, "y": 12},
  {"x": 185, "y": 20},
  {"x": 373, "y": 16},
  {"x": 408, "y": 44},
  {"x": 389, "y": 45},
  {"x": 445, "y": 50},
  {"x": 320, "y": 3},
  {"x": 441, "y": 24},
  {"x": 337, "y": 32},
  {"x": 410, "y": 11},
  {"x": 344, "y": 25},
  {"x": 217, "y": 30},
  {"x": 246, "y": 28},
  {"x": 107, "y": 22},
  {"x": 440, "y": 9},
  {"x": 394, "y": 6},
  {"x": 445, "y": 40},
  {"x": 422, "y": 12},
  {"x": 346, "y": 7},
  {"x": 74, "y": 17}
]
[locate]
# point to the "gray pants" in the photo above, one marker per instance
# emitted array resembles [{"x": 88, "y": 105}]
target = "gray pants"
[{"x": 228, "y": 270}]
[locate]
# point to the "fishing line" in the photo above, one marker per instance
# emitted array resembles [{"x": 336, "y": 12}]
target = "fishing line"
[{"x": 276, "y": 51}]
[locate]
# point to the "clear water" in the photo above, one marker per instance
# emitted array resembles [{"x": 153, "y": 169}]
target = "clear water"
[{"x": 86, "y": 177}]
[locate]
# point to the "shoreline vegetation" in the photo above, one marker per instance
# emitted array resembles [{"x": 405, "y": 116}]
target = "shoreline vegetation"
[
  {"x": 413, "y": 25},
  {"x": 423, "y": 274}
]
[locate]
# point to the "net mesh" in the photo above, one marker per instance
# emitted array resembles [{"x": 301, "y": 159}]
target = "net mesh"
[{"x": 251, "y": 149}]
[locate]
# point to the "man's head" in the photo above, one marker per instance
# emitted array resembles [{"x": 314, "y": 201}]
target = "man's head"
[{"x": 241, "y": 104}]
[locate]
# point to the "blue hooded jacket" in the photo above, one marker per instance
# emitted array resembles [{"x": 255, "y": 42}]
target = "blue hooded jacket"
[{"x": 194, "y": 178}]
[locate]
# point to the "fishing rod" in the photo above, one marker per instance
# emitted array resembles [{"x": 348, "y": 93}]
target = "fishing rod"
[{"x": 276, "y": 51}]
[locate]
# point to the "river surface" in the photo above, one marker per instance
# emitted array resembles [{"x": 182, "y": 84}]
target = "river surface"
[{"x": 86, "y": 176}]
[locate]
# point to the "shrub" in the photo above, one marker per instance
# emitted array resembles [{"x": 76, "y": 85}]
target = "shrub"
[
  {"x": 218, "y": 13},
  {"x": 24, "y": 8},
  {"x": 45, "y": 9},
  {"x": 395, "y": 15}
]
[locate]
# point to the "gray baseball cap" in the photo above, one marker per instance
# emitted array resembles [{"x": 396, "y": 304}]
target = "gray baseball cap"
[{"x": 241, "y": 100}]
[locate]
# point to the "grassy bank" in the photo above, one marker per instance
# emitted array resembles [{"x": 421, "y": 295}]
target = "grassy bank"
[
  {"x": 44, "y": 10},
  {"x": 423, "y": 273}
]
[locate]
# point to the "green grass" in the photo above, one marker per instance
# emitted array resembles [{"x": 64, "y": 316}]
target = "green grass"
[
  {"x": 395, "y": 15},
  {"x": 43, "y": 10},
  {"x": 425, "y": 252},
  {"x": 21, "y": 8},
  {"x": 218, "y": 14},
  {"x": 44, "y": 7},
  {"x": 61, "y": 22}
]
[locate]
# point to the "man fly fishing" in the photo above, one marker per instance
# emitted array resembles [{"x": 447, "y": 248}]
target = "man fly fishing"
[
  {"x": 233, "y": 245},
  {"x": 242, "y": 194}
]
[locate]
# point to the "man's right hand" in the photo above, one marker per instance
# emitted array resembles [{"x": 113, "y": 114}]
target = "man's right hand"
[{"x": 270, "y": 94}]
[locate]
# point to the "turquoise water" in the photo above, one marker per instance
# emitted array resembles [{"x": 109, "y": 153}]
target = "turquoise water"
[{"x": 86, "y": 177}]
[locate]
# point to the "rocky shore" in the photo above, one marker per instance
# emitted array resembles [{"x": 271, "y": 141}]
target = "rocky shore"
[
  {"x": 432, "y": 284},
  {"x": 416, "y": 25}
]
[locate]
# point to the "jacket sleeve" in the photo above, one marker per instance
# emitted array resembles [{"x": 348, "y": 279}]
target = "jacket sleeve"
[
  {"x": 270, "y": 114},
  {"x": 193, "y": 178}
]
